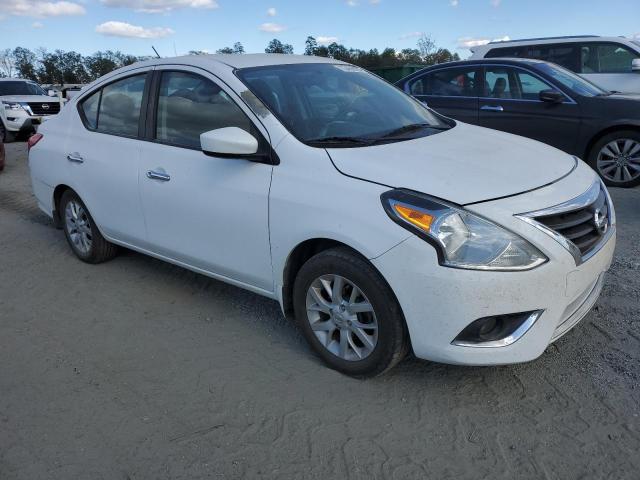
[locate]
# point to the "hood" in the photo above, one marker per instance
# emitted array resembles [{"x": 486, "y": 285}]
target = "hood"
[
  {"x": 29, "y": 98},
  {"x": 465, "y": 164}
]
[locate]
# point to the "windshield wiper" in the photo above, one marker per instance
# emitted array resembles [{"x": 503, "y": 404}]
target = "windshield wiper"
[
  {"x": 412, "y": 128},
  {"x": 338, "y": 140}
]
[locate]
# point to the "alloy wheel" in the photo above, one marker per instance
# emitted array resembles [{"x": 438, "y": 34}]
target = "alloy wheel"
[
  {"x": 78, "y": 227},
  {"x": 619, "y": 160},
  {"x": 341, "y": 317}
]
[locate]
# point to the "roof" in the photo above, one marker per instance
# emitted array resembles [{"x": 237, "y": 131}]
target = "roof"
[
  {"x": 565, "y": 37},
  {"x": 547, "y": 40},
  {"x": 244, "y": 60}
]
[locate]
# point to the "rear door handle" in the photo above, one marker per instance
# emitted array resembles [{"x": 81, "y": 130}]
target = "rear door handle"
[
  {"x": 492, "y": 108},
  {"x": 158, "y": 176},
  {"x": 75, "y": 158}
]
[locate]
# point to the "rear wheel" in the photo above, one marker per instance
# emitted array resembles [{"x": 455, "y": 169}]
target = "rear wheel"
[
  {"x": 81, "y": 231},
  {"x": 349, "y": 314},
  {"x": 616, "y": 157}
]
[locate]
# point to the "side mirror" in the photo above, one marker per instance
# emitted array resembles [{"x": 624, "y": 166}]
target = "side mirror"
[
  {"x": 51, "y": 93},
  {"x": 552, "y": 96},
  {"x": 635, "y": 65},
  {"x": 228, "y": 141}
]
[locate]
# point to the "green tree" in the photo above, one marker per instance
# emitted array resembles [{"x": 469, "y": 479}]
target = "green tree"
[
  {"x": 276, "y": 46},
  {"x": 238, "y": 48},
  {"x": 310, "y": 46},
  {"x": 25, "y": 63},
  {"x": 339, "y": 52}
]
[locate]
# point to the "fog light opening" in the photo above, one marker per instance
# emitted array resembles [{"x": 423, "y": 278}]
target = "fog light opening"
[{"x": 497, "y": 330}]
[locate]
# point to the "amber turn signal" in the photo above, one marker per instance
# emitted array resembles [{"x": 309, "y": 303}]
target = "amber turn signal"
[{"x": 418, "y": 218}]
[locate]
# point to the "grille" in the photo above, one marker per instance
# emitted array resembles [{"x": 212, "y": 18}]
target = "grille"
[
  {"x": 584, "y": 226},
  {"x": 38, "y": 108}
]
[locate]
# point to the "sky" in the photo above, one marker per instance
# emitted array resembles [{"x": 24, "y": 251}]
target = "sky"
[{"x": 177, "y": 26}]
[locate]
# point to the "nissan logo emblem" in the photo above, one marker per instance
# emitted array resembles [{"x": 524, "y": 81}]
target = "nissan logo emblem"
[
  {"x": 45, "y": 106},
  {"x": 600, "y": 221}
]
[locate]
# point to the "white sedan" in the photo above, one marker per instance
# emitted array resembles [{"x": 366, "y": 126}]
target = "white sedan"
[{"x": 375, "y": 222}]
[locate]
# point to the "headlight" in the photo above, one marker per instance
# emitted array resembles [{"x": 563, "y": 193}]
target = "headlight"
[
  {"x": 12, "y": 106},
  {"x": 463, "y": 239}
]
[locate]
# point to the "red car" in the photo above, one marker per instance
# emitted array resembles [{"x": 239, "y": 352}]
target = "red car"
[{"x": 1, "y": 156}]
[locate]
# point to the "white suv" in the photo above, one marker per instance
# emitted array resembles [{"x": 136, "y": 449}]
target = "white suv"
[
  {"x": 376, "y": 222},
  {"x": 24, "y": 106},
  {"x": 613, "y": 63}
]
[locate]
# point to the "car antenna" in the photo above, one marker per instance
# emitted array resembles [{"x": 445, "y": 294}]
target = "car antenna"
[{"x": 154, "y": 49}]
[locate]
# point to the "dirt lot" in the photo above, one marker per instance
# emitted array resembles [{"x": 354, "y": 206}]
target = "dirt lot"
[{"x": 137, "y": 369}]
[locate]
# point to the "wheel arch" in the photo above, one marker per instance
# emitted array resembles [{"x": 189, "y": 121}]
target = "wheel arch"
[
  {"x": 629, "y": 125},
  {"x": 57, "y": 196},
  {"x": 302, "y": 252}
]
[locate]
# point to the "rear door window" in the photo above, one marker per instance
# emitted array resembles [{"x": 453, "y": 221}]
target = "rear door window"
[
  {"x": 115, "y": 109},
  {"x": 564, "y": 54},
  {"x": 120, "y": 106},
  {"x": 449, "y": 82}
]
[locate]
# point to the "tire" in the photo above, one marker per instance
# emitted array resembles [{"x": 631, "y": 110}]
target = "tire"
[
  {"x": 81, "y": 231},
  {"x": 383, "y": 325},
  {"x": 5, "y": 135},
  {"x": 616, "y": 158}
]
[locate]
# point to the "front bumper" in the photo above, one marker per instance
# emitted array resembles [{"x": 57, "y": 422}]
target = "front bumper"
[{"x": 439, "y": 302}]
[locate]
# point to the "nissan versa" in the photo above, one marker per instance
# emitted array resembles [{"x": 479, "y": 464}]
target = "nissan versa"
[{"x": 379, "y": 224}]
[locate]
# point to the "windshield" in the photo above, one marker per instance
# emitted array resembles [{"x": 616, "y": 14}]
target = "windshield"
[
  {"x": 332, "y": 104},
  {"x": 20, "y": 88},
  {"x": 572, "y": 81}
]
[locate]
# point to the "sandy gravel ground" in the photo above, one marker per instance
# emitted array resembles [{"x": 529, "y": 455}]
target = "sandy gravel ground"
[{"x": 136, "y": 369}]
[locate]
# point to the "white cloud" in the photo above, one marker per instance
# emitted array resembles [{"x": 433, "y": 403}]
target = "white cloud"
[
  {"x": 37, "y": 25},
  {"x": 454, "y": 3},
  {"x": 406, "y": 36},
  {"x": 470, "y": 42},
  {"x": 271, "y": 12},
  {"x": 40, "y": 8},
  {"x": 272, "y": 27},
  {"x": 374, "y": 2},
  {"x": 496, "y": 3},
  {"x": 322, "y": 40},
  {"x": 160, "y": 6},
  {"x": 123, "y": 29},
  {"x": 352, "y": 3}
]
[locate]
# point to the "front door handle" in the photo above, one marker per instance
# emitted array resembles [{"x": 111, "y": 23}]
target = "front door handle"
[
  {"x": 492, "y": 108},
  {"x": 158, "y": 176},
  {"x": 75, "y": 157}
]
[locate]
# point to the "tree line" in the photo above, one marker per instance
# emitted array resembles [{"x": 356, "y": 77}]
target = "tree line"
[{"x": 64, "y": 67}]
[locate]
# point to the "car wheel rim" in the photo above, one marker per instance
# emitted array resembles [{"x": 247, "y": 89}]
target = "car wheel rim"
[
  {"x": 619, "y": 160},
  {"x": 78, "y": 227},
  {"x": 342, "y": 317}
]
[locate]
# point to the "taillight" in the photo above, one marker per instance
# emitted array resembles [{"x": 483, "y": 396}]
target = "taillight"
[{"x": 33, "y": 139}]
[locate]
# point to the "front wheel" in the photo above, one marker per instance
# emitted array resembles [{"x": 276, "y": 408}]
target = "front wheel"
[
  {"x": 349, "y": 314},
  {"x": 616, "y": 157},
  {"x": 81, "y": 231}
]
